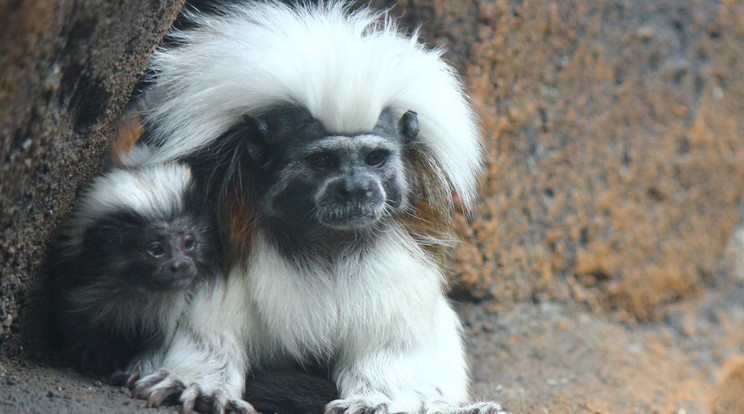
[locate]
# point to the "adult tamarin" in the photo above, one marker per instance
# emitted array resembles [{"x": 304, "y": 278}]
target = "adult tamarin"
[
  {"x": 332, "y": 145},
  {"x": 126, "y": 263}
]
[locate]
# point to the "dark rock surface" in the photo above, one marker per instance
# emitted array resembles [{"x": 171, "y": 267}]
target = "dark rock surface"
[{"x": 66, "y": 71}]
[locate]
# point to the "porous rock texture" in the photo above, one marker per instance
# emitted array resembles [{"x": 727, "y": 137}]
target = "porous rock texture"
[
  {"x": 616, "y": 154},
  {"x": 602, "y": 269},
  {"x": 66, "y": 71}
]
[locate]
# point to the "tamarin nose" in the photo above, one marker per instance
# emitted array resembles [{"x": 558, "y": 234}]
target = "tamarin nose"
[
  {"x": 181, "y": 268},
  {"x": 178, "y": 265},
  {"x": 356, "y": 189}
]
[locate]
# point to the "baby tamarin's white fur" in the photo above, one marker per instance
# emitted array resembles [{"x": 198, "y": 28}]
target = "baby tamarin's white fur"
[{"x": 331, "y": 144}]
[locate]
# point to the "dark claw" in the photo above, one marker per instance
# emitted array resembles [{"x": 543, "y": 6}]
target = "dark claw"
[
  {"x": 122, "y": 379},
  {"x": 132, "y": 380},
  {"x": 150, "y": 382},
  {"x": 242, "y": 407},
  {"x": 203, "y": 404},
  {"x": 188, "y": 406},
  {"x": 218, "y": 405},
  {"x": 157, "y": 397},
  {"x": 137, "y": 392}
]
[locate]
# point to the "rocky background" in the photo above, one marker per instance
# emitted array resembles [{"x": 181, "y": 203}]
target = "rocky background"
[{"x": 603, "y": 268}]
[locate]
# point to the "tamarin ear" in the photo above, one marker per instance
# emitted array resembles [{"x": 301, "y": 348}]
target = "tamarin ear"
[
  {"x": 408, "y": 126},
  {"x": 257, "y": 134},
  {"x": 257, "y": 123}
]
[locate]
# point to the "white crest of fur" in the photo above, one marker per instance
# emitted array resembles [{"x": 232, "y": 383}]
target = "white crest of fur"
[
  {"x": 153, "y": 191},
  {"x": 344, "y": 67}
]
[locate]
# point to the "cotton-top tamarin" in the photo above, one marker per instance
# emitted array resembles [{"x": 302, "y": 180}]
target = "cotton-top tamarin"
[
  {"x": 332, "y": 145},
  {"x": 126, "y": 264}
]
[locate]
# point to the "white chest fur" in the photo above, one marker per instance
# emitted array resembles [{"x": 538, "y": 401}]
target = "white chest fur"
[{"x": 385, "y": 298}]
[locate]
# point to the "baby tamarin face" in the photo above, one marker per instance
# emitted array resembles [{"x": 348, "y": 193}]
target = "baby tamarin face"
[{"x": 153, "y": 254}]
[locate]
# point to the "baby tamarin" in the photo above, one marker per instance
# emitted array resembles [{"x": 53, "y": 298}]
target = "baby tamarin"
[{"x": 125, "y": 264}]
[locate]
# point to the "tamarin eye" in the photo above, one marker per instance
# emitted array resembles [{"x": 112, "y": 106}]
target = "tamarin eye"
[
  {"x": 322, "y": 161},
  {"x": 189, "y": 243},
  {"x": 377, "y": 157},
  {"x": 156, "y": 250}
]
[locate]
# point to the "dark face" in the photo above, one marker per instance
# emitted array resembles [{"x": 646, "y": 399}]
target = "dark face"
[
  {"x": 158, "y": 255},
  {"x": 339, "y": 182},
  {"x": 171, "y": 252},
  {"x": 315, "y": 179}
]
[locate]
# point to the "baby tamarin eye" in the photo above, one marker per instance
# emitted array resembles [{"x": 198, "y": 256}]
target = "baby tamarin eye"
[
  {"x": 189, "y": 243},
  {"x": 156, "y": 250}
]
